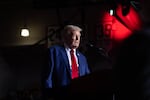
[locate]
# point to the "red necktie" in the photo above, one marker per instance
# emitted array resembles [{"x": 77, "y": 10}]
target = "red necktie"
[{"x": 74, "y": 65}]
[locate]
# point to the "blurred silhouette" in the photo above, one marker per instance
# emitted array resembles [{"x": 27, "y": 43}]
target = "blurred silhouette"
[{"x": 132, "y": 66}]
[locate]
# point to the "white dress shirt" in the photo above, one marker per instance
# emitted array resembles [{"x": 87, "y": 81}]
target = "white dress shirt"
[{"x": 69, "y": 56}]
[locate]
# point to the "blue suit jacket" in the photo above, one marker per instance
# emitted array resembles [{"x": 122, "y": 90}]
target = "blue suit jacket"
[{"x": 59, "y": 68}]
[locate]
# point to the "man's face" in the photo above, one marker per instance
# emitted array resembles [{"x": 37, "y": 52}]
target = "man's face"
[{"x": 73, "y": 39}]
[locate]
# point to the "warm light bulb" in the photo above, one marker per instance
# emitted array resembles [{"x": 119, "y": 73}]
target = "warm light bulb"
[{"x": 24, "y": 32}]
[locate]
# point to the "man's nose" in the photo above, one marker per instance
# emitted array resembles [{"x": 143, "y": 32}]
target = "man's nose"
[{"x": 75, "y": 37}]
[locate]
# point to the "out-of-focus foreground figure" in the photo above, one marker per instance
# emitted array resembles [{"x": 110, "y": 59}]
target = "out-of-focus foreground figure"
[{"x": 132, "y": 67}]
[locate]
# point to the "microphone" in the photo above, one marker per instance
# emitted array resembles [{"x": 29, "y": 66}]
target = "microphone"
[
  {"x": 98, "y": 50},
  {"x": 90, "y": 45}
]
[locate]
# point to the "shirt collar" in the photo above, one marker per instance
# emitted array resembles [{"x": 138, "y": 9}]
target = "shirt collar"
[{"x": 68, "y": 49}]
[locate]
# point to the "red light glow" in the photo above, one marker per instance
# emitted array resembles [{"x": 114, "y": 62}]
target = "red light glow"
[{"x": 121, "y": 26}]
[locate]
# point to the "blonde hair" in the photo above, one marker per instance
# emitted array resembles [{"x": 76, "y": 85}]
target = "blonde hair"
[
  {"x": 69, "y": 28},
  {"x": 72, "y": 27}
]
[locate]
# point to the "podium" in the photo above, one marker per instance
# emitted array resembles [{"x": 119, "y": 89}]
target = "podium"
[{"x": 97, "y": 85}]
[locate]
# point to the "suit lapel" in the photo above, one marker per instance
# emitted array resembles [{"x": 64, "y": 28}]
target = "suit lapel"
[
  {"x": 66, "y": 61},
  {"x": 79, "y": 61}
]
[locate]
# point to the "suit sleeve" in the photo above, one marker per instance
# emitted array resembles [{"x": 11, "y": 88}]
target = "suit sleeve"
[{"x": 51, "y": 57}]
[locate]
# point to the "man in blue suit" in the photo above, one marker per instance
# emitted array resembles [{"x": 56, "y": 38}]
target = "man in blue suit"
[{"x": 59, "y": 74}]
